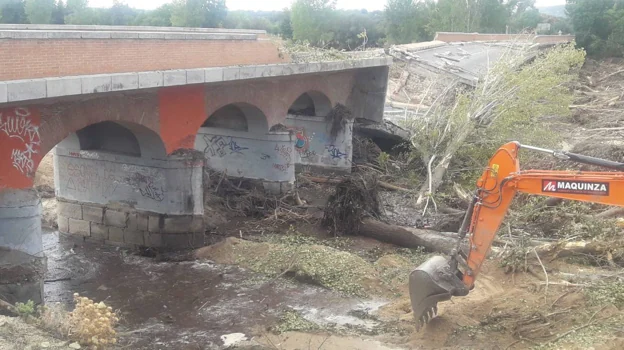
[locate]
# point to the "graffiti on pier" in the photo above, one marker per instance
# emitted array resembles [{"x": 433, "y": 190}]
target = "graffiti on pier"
[
  {"x": 282, "y": 167},
  {"x": 146, "y": 185},
  {"x": 87, "y": 178},
  {"x": 284, "y": 152},
  {"x": 265, "y": 156},
  {"x": 307, "y": 154},
  {"x": 19, "y": 125},
  {"x": 335, "y": 152},
  {"x": 219, "y": 146}
]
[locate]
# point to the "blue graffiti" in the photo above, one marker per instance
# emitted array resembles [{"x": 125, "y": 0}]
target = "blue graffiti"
[
  {"x": 235, "y": 148},
  {"x": 265, "y": 156},
  {"x": 335, "y": 152},
  {"x": 216, "y": 146}
]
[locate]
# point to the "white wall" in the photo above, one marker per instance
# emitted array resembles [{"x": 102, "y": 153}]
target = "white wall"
[
  {"x": 169, "y": 186},
  {"x": 315, "y": 147},
  {"x": 266, "y": 156}
]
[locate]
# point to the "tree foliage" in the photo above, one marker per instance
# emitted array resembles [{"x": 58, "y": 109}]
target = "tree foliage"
[
  {"x": 198, "y": 13},
  {"x": 40, "y": 11},
  {"x": 408, "y": 21},
  {"x": 12, "y": 11},
  {"x": 599, "y": 25},
  {"x": 471, "y": 124}
]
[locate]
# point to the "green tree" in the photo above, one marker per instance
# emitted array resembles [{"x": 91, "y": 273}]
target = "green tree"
[
  {"x": 58, "y": 16},
  {"x": 598, "y": 25},
  {"x": 40, "y": 11},
  {"x": 408, "y": 21},
  {"x": 12, "y": 11},
  {"x": 160, "y": 17},
  {"x": 285, "y": 25},
  {"x": 198, "y": 13},
  {"x": 311, "y": 21},
  {"x": 121, "y": 14}
]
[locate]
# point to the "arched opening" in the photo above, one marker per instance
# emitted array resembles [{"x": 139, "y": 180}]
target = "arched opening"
[
  {"x": 311, "y": 104},
  {"x": 123, "y": 138},
  {"x": 109, "y": 137},
  {"x": 239, "y": 117}
]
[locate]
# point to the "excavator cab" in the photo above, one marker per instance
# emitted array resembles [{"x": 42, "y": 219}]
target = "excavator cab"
[{"x": 440, "y": 278}]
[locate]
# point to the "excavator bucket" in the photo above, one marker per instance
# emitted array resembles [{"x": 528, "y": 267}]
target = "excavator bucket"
[{"x": 430, "y": 283}]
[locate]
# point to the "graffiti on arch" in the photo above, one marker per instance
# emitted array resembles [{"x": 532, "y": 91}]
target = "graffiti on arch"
[{"x": 20, "y": 142}]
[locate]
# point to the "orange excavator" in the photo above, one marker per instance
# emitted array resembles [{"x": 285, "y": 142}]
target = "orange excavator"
[{"x": 440, "y": 278}]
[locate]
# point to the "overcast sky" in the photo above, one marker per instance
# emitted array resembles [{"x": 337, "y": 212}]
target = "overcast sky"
[{"x": 278, "y": 4}]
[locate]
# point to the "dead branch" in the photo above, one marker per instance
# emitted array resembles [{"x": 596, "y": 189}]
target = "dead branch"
[
  {"x": 610, "y": 75},
  {"x": 9, "y": 307},
  {"x": 408, "y": 237},
  {"x": 610, "y": 213}
]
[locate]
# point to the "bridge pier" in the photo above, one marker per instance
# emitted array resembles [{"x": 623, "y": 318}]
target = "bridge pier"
[{"x": 22, "y": 263}]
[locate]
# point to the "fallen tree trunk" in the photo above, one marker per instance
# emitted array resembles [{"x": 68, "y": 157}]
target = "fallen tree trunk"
[
  {"x": 333, "y": 181},
  {"x": 408, "y": 237}
]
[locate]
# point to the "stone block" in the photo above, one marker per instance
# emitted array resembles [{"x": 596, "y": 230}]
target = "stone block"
[
  {"x": 3, "y": 93},
  {"x": 92, "y": 84},
  {"x": 175, "y": 36},
  {"x": 79, "y": 227},
  {"x": 231, "y": 73},
  {"x": 197, "y": 224},
  {"x": 142, "y": 222},
  {"x": 212, "y": 75},
  {"x": 29, "y": 35},
  {"x": 272, "y": 187},
  {"x": 152, "y": 239},
  {"x": 150, "y": 79},
  {"x": 247, "y": 72},
  {"x": 133, "y": 237},
  {"x": 125, "y": 81},
  {"x": 314, "y": 67},
  {"x": 93, "y": 214},
  {"x": 156, "y": 223},
  {"x": 95, "y": 35},
  {"x": 63, "y": 224},
  {"x": 69, "y": 210},
  {"x": 116, "y": 234},
  {"x": 174, "y": 77},
  {"x": 151, "y": 35},
  {"x": 115, "y": 218},
  {"x": 124, "y": 35},
  {"x": 21, "y": 90},
  {"x": 195, "y": 76},
  {"x": 64, "y": 35},
  {"x": 99, "y": 231},
  {"x": 63, "y": 86},
  {"x": 178, "y": 224},
  {"x": 137, "y": 222}
]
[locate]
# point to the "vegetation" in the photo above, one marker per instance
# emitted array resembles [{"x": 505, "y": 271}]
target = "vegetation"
[{"x": 599, "y": 25}]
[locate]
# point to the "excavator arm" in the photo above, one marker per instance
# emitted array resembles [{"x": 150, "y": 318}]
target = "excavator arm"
[{"x": 440, "y": 278}]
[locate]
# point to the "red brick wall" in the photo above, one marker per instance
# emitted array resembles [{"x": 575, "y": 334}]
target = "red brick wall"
[{"x": 27, "y": 59}]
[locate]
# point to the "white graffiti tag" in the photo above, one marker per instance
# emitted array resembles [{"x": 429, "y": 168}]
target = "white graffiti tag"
[{"x": 20, "y": 126}]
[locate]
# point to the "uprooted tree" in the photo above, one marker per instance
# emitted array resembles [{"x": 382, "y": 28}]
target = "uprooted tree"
[{"x": 505, "y": 105}]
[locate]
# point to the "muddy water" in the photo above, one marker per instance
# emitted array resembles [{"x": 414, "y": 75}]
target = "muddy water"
[{"x": 185, "y": 305}]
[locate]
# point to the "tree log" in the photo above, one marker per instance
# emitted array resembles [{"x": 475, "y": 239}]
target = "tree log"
[{"x": 408, "y": 237}]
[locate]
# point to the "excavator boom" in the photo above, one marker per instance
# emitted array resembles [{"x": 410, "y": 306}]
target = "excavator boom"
[{"x": 440, "y": 278}]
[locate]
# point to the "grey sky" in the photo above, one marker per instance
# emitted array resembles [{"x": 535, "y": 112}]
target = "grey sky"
[{"x": 278, "y": 4}]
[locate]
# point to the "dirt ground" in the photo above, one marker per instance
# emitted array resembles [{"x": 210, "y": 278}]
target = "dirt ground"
[{"x": 550, "y": 306}]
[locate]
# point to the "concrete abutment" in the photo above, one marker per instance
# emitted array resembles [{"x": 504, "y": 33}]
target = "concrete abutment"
[{"x": 22, "y": 262}]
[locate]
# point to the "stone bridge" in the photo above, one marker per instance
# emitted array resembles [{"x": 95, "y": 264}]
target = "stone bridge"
[{"x": 133, "y": 115}]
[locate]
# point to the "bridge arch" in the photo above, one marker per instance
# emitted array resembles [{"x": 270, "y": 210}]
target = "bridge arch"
[
  {"x": 117, "y": 137},
  {"x": 311, "y": 103},
  {"x": 238, "y": 116}
]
